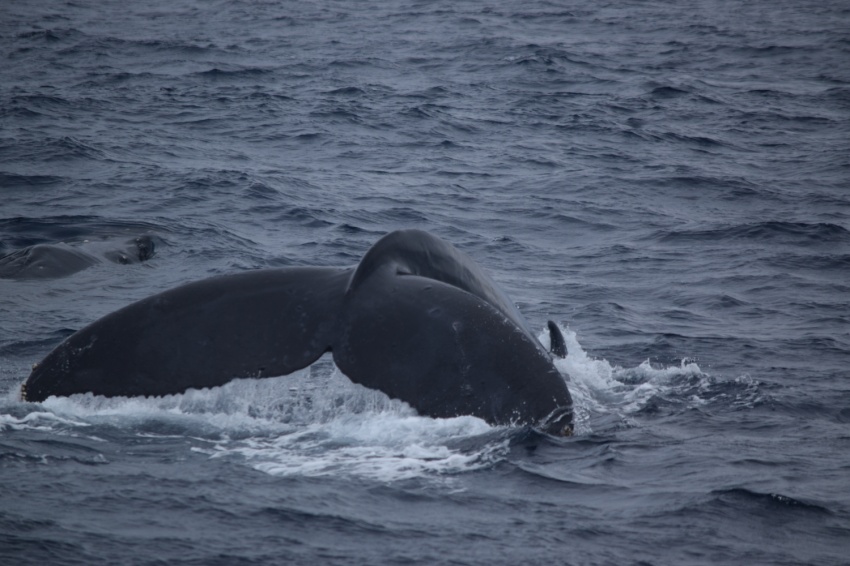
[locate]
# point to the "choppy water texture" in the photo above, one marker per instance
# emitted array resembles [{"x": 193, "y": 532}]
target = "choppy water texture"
[{"x": 668, "y": 180}]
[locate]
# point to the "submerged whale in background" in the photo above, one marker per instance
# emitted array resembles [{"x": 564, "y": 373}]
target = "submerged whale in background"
[
  {"x": 416, "y": 319},
  {"x": 47, "y": 261}
]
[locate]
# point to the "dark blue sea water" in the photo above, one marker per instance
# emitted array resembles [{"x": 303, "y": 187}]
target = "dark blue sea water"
[{"x": 670, "y": 181}]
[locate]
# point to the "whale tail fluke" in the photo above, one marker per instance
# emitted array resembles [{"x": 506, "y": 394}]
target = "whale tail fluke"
[{"x": 407, "y": 321}]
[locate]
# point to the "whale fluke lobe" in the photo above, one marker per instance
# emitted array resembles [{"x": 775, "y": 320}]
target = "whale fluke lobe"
[
  {"x": 254, "y": 324},
  {"x": 416, "y": 319},
  {"x": 558, "y": 345}
]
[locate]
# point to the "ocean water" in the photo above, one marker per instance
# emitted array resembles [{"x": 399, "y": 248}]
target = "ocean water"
[{"x": 669, "y": 181}]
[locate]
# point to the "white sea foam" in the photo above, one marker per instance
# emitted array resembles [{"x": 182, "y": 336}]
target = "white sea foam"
[
  {"x": 314, "y": 422},
  {"x": 317, "y": 422},
  {"x": 597, "y": 387},
  {"x": 38, "y": 420},
  {"x": 385, "y": 446}
]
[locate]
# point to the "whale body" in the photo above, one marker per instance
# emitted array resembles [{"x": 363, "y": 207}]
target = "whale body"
[{"x": 50, "y": 261}]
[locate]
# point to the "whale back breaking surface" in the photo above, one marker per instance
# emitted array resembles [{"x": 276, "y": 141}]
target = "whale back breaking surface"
[
  {"x": 416, "y": 319},
  {"x": 48, "y": 261}
]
